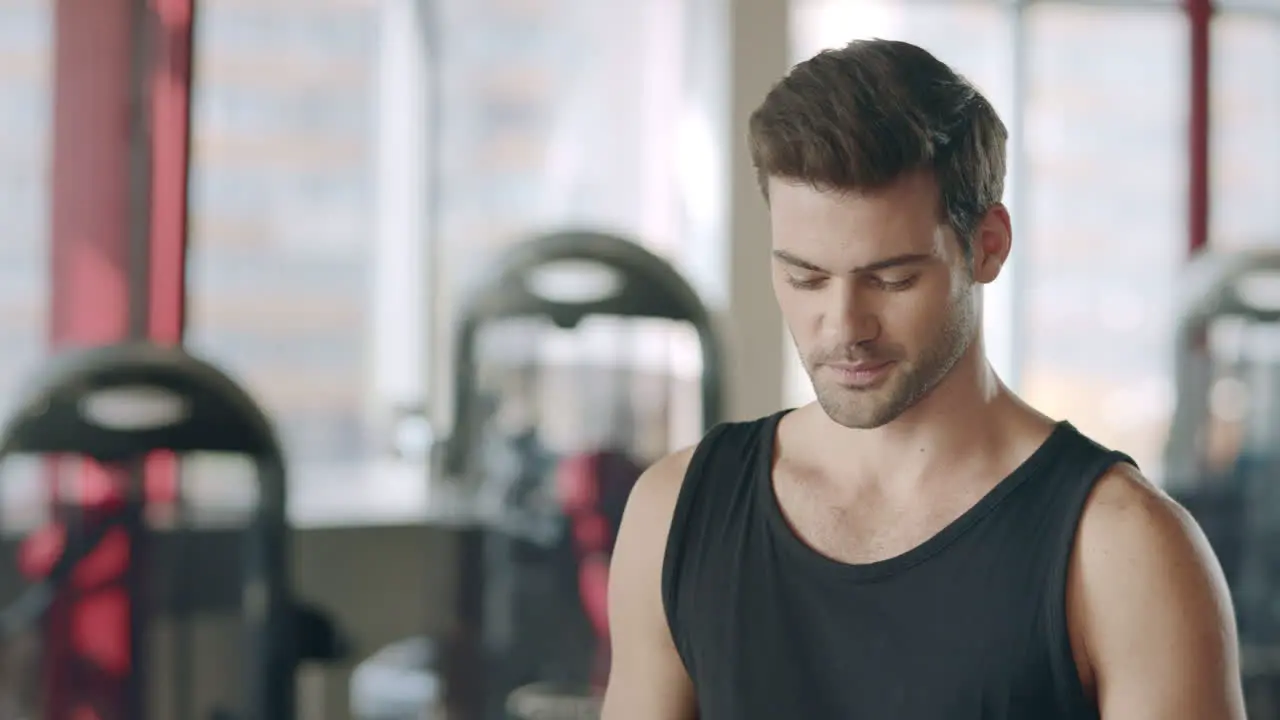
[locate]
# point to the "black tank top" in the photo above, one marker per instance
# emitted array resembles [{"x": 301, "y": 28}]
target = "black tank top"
[{"x": 969, "y": 625}]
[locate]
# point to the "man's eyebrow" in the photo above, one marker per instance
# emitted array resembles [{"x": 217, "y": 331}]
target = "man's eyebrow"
[
  {"x": 895, "y": 261},
  {"x": 790, "y": 259}
]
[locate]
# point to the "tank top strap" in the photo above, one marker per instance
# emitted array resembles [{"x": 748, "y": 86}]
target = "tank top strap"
[
  {"x": 1081, "y": 464},
  {"x": 720, "y": 470}
]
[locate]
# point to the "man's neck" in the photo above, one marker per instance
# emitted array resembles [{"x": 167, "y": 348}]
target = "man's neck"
[{"x": 963, "y": 418}]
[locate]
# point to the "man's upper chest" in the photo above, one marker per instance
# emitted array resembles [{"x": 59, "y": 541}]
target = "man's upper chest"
[{"x": 862, "y": 522}]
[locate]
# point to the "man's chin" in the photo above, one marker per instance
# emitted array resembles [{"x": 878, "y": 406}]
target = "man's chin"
[
  {"x": 859, "y": 421},
  {"x": 857, "y": 409}
]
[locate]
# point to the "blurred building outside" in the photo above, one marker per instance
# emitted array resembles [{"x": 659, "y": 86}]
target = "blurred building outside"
[{"x": 309, "y": 278}]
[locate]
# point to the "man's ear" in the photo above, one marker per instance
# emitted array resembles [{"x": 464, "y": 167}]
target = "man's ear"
[{"x": 992, "y": 241}]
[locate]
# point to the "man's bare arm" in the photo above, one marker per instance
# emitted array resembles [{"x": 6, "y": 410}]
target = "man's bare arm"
[
  {"x": 647, "y": 679},
  {"x": 1149, "y": 609}
]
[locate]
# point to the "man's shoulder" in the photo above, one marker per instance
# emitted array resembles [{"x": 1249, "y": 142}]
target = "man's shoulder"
[
  {"x": 1137, "y": 547},
  {"x": 1149, "y": 607},
  {"x": 659, "y": 487},
  {"x": 1125, "y": 505},
  {"x": 665, "y": 476},
  {"x": 1127, "y": 520}
]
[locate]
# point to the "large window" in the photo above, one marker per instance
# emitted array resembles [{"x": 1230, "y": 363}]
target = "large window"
[
  {"x": 26, "y": 110},
  {"x": 538, "y": 139},
  {"x": 26, "y": 107},
  {"x": 1106, "y": 184},
  {"x": 282, "y": 214},
  {"x": 324, "y": 266},
  {"x": 1245, "y": 112},
  {"x": 976, "y": 40}
]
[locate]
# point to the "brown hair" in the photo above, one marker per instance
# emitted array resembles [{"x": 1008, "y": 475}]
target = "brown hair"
[{"x": 860, "y": 117}]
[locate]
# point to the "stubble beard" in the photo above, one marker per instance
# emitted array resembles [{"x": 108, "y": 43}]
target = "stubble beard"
[{"x": 909, "y": 379}]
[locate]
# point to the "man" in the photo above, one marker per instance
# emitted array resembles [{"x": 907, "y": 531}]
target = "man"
[{"x": 918, "y": 543}]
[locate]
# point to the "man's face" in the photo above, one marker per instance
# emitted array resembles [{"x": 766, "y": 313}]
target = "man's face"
[{"x": 876, "y": 292}]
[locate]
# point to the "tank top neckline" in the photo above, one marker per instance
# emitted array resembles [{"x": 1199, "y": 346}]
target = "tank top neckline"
[{"x": 883, "y": 569}]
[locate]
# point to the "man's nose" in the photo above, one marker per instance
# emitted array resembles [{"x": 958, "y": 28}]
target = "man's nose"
[{"x": 853, "y": 314}]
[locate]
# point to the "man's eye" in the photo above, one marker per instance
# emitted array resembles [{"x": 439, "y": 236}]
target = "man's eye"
[
  {"x": 805, "y": 283},
  {"x": 894, "y": 283}
]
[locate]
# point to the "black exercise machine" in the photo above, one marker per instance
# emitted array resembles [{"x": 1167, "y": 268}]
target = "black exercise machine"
[
  {"x": 116, "y": 405},
  {"x": 1222, "y": 458},
  {"x": 540, "y": 629},
  {"x": 545, "y": 454}
]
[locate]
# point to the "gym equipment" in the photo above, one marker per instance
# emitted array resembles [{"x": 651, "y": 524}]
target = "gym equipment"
[
  {"x": 545, "y": 445},
  {"x": 544, "y": 630},
  {"x": 117, "y": 405},
  {"x": 1222, "y": 457},
  {"x": 396, "y": 683}
]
